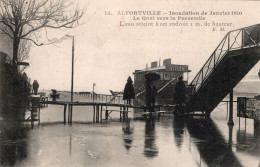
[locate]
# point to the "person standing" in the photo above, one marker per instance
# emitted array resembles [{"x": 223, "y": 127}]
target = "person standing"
[
  {"x": 150, "y": 89},
  {"x": 153, "y": 94},
  {"x": 35, "y": 87},
  {"x": 129, "y": 91},
  {"x": 179, "y": 93},
  {"x": 148, "y": 94}
]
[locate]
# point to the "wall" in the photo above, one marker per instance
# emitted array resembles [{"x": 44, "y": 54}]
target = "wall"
[
  {"x": 6, "y": 45},
  {"x": 5, "y": 49},
  {"x": 2, "y": 61}
]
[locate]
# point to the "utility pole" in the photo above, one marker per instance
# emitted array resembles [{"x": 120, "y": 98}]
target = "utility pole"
[
  {"x": 94, "y": 84},
  {"x": 72, "y": 76},
  {"x": 72, "y": 69}
]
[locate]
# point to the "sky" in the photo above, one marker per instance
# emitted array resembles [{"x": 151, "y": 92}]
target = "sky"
[{"x": 107, "y": 53}]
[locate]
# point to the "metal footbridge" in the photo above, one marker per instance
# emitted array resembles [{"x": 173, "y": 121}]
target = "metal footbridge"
[{"x": 233, "y": 58}]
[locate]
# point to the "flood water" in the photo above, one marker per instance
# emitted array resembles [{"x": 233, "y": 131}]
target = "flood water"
[{"x": 167, "y": 142}]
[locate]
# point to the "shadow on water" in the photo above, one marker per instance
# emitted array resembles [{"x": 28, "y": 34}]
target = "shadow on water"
[
  {"x": 249, "y": 143},
  {"x": 211, "y": 144},
  {"x": 128, "y": 131},
  {"x": 13, "y": 136},
  {"x": 150, "y": 148}
]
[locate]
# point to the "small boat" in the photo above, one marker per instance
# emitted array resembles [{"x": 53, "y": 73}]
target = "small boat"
[
  {"x": 257, "y": 97},
  {"x": 54, "y": 94}
]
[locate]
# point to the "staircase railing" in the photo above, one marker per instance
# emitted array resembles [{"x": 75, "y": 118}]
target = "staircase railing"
[
  {"x": 237, "y": 39},
  {"x": 162, "y": 88}
]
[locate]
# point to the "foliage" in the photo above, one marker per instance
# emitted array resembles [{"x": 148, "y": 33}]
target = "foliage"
[{"x": 17, "y": 85}]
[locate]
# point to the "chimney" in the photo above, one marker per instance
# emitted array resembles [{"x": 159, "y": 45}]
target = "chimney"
[
  {"x": 167, "y": 62},
  {"x": 154, "y": 64}
]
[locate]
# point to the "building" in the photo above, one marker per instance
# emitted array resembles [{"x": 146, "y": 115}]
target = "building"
[
  {"x": 167, "y": 71},
  {"x": 6, "y": 49},
  {"x": 6, "y": 44}
]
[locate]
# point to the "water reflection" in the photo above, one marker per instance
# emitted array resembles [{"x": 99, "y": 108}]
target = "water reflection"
[
  {"x": 178, "y": 130},
  {"x": 13, "y": 133},
  {"x": 211, "y": 145},
  {"x": 98, "y": 145},
  {"x": 127, "y": 134},
  {"x": 13, "y": 137},
  {"x": 150, "y": 148},
  {"x": 13, "y": 145},
  {"x": 249, "y": 143}
]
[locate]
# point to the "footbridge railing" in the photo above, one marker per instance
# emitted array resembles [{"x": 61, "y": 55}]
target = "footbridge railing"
[{"x": 234, "y": 40}]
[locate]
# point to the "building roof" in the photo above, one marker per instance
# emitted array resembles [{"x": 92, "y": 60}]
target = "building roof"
[{"x": 150, "y": 69}]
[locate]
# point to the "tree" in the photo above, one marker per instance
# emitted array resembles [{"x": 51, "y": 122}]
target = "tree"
[
  {"x": 24, "y": 19},
  {"x": 23, "y": 52}
]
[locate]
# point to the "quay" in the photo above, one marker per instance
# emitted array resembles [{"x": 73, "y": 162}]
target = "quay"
[{"x": 98, "y": 108}]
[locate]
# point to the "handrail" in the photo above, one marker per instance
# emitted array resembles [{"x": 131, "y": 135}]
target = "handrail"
[
  {"x": 244, "y": 37},
  {"x": 208, "y": 59},
  {"x": 255, "y": 25},
  {"x": 168, "y": 83}
]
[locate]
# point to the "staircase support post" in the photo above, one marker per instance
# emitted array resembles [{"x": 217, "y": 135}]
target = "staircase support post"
[{"x": 230, "y": 121}]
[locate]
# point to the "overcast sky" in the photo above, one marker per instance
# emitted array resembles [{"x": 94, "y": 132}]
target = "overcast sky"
[{"x": 106, "y": 54}]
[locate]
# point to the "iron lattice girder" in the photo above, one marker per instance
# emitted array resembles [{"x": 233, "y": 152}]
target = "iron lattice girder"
[
  {"x": 230, "y": 71},
  {"x": 246, "y": 34}
]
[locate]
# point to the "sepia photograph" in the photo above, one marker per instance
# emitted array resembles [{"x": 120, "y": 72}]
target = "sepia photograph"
[{"x": 129, "y": 83}]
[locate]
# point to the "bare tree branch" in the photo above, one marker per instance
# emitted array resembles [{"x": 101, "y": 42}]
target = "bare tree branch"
[
  {"x": 29, "y": 39},
  {"x": 24, "y": 50},
  {"x": 23, "y": 19},
  {"x": 6, "y": 32}
]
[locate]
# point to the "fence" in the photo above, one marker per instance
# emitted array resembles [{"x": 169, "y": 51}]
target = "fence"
[{"x": 104, "y": 98}]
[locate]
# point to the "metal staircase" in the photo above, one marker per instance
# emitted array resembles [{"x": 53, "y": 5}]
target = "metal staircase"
[{"x": 233, "y": 58}]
